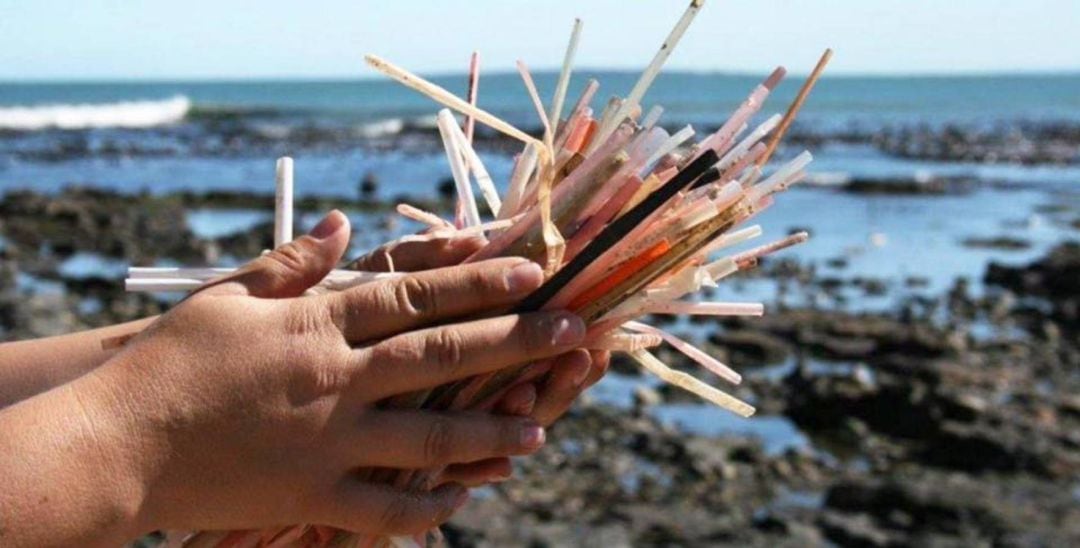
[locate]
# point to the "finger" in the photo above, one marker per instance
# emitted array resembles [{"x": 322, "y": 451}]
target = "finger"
[
  {"x": 430, "y": 357},
  {"x": 376, "y": 310},
  {"x": 601, "y": 360},
  {"x": 423, "y": 439},
  {"x": 379, "y": 509},
  {"x": 293, "y": 268},
  {"x": 518, "y": 401},
  {"x": 475, "y": 474},
  {"x": 563, "y": 385},
  {"x": 419, "y": 255}
]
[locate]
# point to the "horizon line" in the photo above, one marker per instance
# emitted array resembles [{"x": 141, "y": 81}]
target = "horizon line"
[{"x": 103, "y": 79}]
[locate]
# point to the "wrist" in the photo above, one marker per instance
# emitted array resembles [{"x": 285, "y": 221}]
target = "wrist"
[{"x": 122, "y": 450}]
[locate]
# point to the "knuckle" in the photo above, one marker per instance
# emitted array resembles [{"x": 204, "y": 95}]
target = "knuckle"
[
  {"x": 485, "y": 281},
  {"x": 289, "y": 257},
  {"x": 439, "y": 442},
  {"x": 416, "y": 296},
  {"x": 447, "y": 348},
  {"x": 302, "y": 319}
]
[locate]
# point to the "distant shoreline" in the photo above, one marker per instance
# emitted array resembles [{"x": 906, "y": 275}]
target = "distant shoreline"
[{"x": 366, "y": 76}]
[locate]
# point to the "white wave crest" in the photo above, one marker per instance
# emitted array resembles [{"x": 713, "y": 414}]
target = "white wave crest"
[
  {"x": 127, "y": 114},
  {"x": 381, "y": 128}
]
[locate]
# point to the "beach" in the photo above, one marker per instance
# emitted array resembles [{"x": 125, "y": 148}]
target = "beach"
[{"x": 916, "y": 371}]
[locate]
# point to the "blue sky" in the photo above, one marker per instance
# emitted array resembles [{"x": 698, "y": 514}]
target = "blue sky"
[{"x": 105, "y": 39}]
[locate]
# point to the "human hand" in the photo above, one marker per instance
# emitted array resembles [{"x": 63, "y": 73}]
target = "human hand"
[
  {"x": 244, "y": 412},
  {"x": 545, "y": 399}
]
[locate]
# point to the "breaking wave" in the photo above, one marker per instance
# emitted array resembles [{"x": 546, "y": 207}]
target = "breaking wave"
[{"x": 125, "y": 114}]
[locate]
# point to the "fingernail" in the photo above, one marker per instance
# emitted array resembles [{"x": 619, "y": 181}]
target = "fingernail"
[
  {"x": 328, "y": 225},
  {"x": 461, "y": 499},
  {"x": 532, "y": 436},
  {"x": 567, "y": 330},
  {"x": 524, "y": 277}
]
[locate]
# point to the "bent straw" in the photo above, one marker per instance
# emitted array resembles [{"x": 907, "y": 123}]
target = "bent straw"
[
  {"x": 530, "y": 87},
  {"x": 691, "y": 384},
  {"x": 563, "y": 82},
  {"x": 483, "y": 179},
  {"x": 694, "y": 353},
  {"x": 797, "y": 104},
  {"x": 474, "y": 90},
  {"x": 283, "y": 201},
  {"x": 445, "y": 98},
  {"x": 466, "y": 201},
  {"x": 633, "y": 99}
]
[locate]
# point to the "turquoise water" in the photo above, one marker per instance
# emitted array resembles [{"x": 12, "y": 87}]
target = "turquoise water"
[{"x": 688, "y": 97}]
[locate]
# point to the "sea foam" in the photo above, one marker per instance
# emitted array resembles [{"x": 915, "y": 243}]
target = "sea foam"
[{"x": 128, "y": 114}]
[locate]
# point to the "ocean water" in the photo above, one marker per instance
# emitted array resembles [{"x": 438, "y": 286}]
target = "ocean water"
[{"x": 168, "y": 136}]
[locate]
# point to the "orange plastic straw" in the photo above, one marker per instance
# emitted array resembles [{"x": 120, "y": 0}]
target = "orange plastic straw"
[{"x": 621, "y": 274}]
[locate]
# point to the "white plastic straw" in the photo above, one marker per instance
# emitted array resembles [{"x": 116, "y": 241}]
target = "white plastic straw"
[
  {"x": 283, "y": 202},
  {"x": 564, "y": 80},
  {"x": 691, "y": 384},
  {"x": 633, "y": 99},
  {"x": 467, "y": 201}
]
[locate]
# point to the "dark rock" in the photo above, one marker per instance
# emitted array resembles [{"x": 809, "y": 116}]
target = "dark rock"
[
  {"x": 997, "y": 242},
  {"x": 857, "y": 530},
  {"x": 749, "y": 348}
]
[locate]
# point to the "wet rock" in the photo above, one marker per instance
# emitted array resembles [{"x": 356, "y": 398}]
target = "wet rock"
[
  {"x": 369, "y": 186},
  {"x": 1055, "y": 277},
  {"x": 854, "y": 530},
  {"x": 997, "y": 242},
  {"x": 947, "y": 505},
  {"x": 1006, "y": 447},
  {"x": 901, "y": 187},
  {"x": 749, "y": 348},
  {"x": 645, "y": 396},
  {"x": 1027, "y": 143}
]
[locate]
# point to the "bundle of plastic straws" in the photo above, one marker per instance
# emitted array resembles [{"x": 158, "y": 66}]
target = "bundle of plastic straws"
[{"x": 627, "y": 219}]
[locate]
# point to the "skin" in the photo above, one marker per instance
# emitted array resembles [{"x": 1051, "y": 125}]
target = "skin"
[{"x": 275, "y": 437}]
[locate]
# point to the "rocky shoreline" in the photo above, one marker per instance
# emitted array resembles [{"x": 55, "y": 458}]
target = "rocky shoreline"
[
  {"x": 1024, "y": 143},
  {"x": 917, "y": 430}
]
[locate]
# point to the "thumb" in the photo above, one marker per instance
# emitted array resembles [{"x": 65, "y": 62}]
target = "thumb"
[{"x": 292, "y": 268}]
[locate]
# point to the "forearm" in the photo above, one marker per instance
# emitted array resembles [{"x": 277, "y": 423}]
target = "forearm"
[
  {"x": 32, "y": 367},
  {"x": 68, "y": 462}
]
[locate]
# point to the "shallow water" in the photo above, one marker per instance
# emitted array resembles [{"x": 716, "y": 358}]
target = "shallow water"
[{"x": 891, "y": 238}]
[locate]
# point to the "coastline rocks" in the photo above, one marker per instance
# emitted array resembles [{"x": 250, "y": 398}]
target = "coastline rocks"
[
  {"x": 751, "y": 348},
  {"x": 1032, "y": 143},
  {"x": 1055, "y": 277}
]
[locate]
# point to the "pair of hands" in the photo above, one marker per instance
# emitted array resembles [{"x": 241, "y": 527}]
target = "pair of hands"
[{"x": 250, "y": 405}]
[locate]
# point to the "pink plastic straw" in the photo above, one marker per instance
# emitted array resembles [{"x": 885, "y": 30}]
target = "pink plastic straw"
[
  {"x": 563, "y": 195},
  {"x": 691, "y": 351},
  {"x": 601, "y": 218}
]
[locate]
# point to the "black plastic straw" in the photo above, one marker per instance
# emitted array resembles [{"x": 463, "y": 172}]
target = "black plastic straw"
[{"x": 616, "y": 231}]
